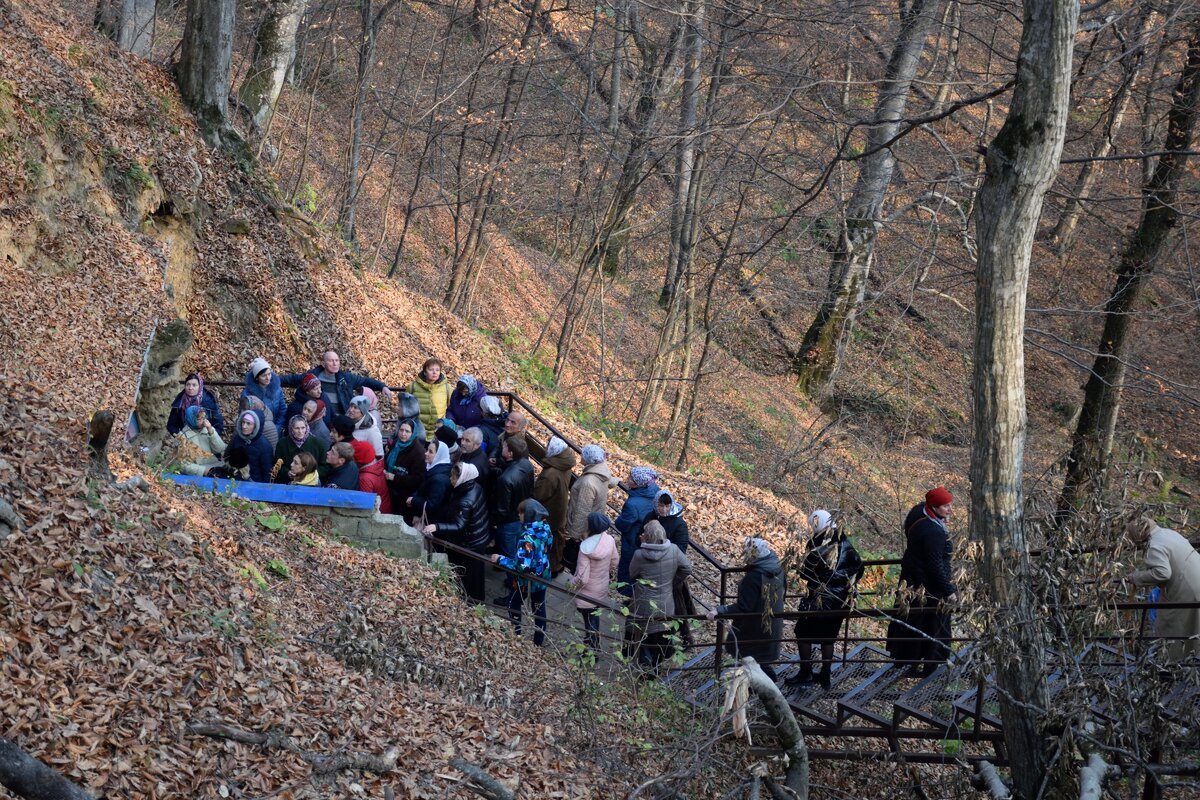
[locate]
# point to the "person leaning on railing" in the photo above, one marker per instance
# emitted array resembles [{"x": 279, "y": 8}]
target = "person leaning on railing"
[
  {"x": 1172, "y": 564},
  {"x": 337, "y": 385},
  {"x": 756, "y": 629}
]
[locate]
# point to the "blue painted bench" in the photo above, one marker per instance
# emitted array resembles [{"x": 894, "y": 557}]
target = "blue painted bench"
[{"x": 281, "y": 493}]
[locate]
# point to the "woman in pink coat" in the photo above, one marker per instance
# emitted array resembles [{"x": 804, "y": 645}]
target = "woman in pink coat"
[{"x": 597, "y": 564}]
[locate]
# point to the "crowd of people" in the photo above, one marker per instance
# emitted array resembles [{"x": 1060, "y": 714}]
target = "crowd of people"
[{"x": 459, "y": 467}]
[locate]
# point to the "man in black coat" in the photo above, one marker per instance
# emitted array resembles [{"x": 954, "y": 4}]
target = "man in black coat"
[
  {"x": 512, "y": 482},
  {"x": 338, "y": 386},
  {"x": 922, "y": 636}
]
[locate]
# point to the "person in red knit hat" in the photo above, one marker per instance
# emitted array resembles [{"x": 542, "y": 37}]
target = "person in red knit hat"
[
  {"x": 370, "y": 474},
  {"x": 921, "y": 637}
]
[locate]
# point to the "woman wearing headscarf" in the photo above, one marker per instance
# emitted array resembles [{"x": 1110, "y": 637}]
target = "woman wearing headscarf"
[
  {"x": 262, "y": 382},
  {"x": 429, "y": 501},
  {"x": 1173, "y": 565},
  {"x": 588, "y": 495},
  {"x": 433, "y": 392},
  {"x": 194, "y": 394},
  {"x": 669, "y": 514},
  {"x": 365, "y": 427},
  {"x": 249, "y": 449},
  {"x": 404, "y": 467},
  {"x": 464, "y": 410},
  {"x": 203, "y": 438},
  {"x": 308, "y": 388},
  {"x": 466, "y": 525},
  {"x": 642, "y": 491},
  {"x": 655, "y": 569},
  {"x": 597, "y": 567},
  {"x": 271, "y": 432},
  {"x": 372, "y": 404},
  {"x": 298, "y": 440},
  {"x": 552, "y": 489},
  {"x": 755, "y": 629},
  {"x": 831, "y": 570}
]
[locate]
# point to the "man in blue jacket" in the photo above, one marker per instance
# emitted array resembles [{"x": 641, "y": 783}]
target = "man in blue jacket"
[
  {"x": 338, "y": 386},
  {"x": 642, "y": 491}
]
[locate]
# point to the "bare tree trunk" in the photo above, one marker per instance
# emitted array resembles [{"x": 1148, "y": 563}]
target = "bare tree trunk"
[
  {"x": 27, "y": 777},
  {"x": 953, "y": 22},
  {"x": 824, "y": 345},
  {"x": 618, "y": 64},
  {"x": 1091, "y": 444},
  {"x": 274, "y": 49},
  {"x": 1021, "y": 163},
  {"x": 203, "y": 69},
  {"x": 1132, "y": 62},
  {"x": 129, "y": 23}
]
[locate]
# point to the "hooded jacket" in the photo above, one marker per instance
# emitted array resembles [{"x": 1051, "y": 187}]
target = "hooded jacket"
[
  {"x": 553, "y": 489},
  {"x": 346, "y": 384},
  {"x": 654, "y": 570},
  {"x": 467, "y": 514},
  {"x": 271, "y": 396},
  {"x": 371, "y": 479},
  {"x": 596, "y": 567},
  {"x": 533, "y": 549},
  {"x": 465, "y": 411},
  {"x": 673, "y": 523},
  {"x": 252, "y": 452},
  {"x": 589, "y": 494},
  {"x": 637, "y": 506},
  {"x": 831, "y": 568},
  {"x": 511, "y": 486},
  {"x": 432, "y": 398},
  {"x": 760, "y": 598}
]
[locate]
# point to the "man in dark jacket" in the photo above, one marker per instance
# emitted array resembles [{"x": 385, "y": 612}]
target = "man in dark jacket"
[
  {"x": 756, "y": 628},
  {"x": 512, "y": 483},
  {"x": 922, "y": 636},
  {"x": 470, "y": 451},
  {"x": 338, "y": 387},
  {"x": 343, "y": 472}
]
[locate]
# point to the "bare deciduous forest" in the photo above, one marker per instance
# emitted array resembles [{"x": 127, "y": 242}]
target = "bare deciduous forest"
[{"x": 790, "y": 255}]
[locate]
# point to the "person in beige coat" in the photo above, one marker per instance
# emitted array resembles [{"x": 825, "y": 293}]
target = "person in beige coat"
[
  {"x": 1172, "y": 564},
  {"x": 589, "y": 495}
]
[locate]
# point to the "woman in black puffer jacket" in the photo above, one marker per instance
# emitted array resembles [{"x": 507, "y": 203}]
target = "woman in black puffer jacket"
[
  {"x": 467, "y": 527},
  {"x": 831, "y": 570}
]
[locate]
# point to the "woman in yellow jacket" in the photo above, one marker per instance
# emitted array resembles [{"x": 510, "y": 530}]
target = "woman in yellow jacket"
[{"x": 433, "y": 391}]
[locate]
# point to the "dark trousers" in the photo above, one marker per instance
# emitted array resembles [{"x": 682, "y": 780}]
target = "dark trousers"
[
  {"x": 470, "y": 571},
  {"x": 922, "y": 637},
  {"x": 537, "y": 601},
  {"x": 591, "y": 626},
  {"x": 655, "y": 648}
]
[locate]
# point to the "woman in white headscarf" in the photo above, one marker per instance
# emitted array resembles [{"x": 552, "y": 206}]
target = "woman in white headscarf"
[
  {"x": 756, "y": 629},
  {"x": 831, "y": 570},
  {"x": 1172, "y": 564}
]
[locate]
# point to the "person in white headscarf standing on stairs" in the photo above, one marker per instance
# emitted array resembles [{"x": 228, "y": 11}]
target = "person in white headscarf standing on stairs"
[
  {"x": 831, "y": 571},
  {"x": 755, "y": 629}
]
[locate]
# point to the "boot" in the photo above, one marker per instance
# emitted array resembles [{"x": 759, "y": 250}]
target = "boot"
[
  {"x": 803, "y": 676},
  {"x": 823, "y": 678}
]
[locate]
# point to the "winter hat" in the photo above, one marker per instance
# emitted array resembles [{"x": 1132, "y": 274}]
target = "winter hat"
[
  {"x": 819, "y": 520},
  {"x": 593, "y": 454},
  {"x": 363, "y": 404},
  {"x": 448, "y": 435},
  {"x": 309, "y": 382},
  {"x": 343, "y": 425},
  {"x": 364, "y": 452},
  {"x": 598, "y": 523},
  {"x": 258, "y": 365},
  {"x": 253, "y": 417},
  {"x": 555, "y": 446},
  {"x": 641, "y": 477},
  {"x": 466, "y": 472},
  {"x": 490, "y": 406},
  {"x": 938, "y": 497},
  {"x": 755, "y": 548}
]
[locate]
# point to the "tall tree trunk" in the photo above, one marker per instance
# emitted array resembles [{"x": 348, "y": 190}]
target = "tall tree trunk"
[
  {"x": 1132, "y": 62},
  {"x": 203, "y": 71},
  {"x": 618, "y": 64},
  {"x": 1091, "y": 444},
  {"x": 274, "y": 50},
  {"x": 129, "y": 23},
  {"x": 692, "y": 13},
  {"x": 1021, "y": 163},
  {"x": 824, "y": 345}
]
